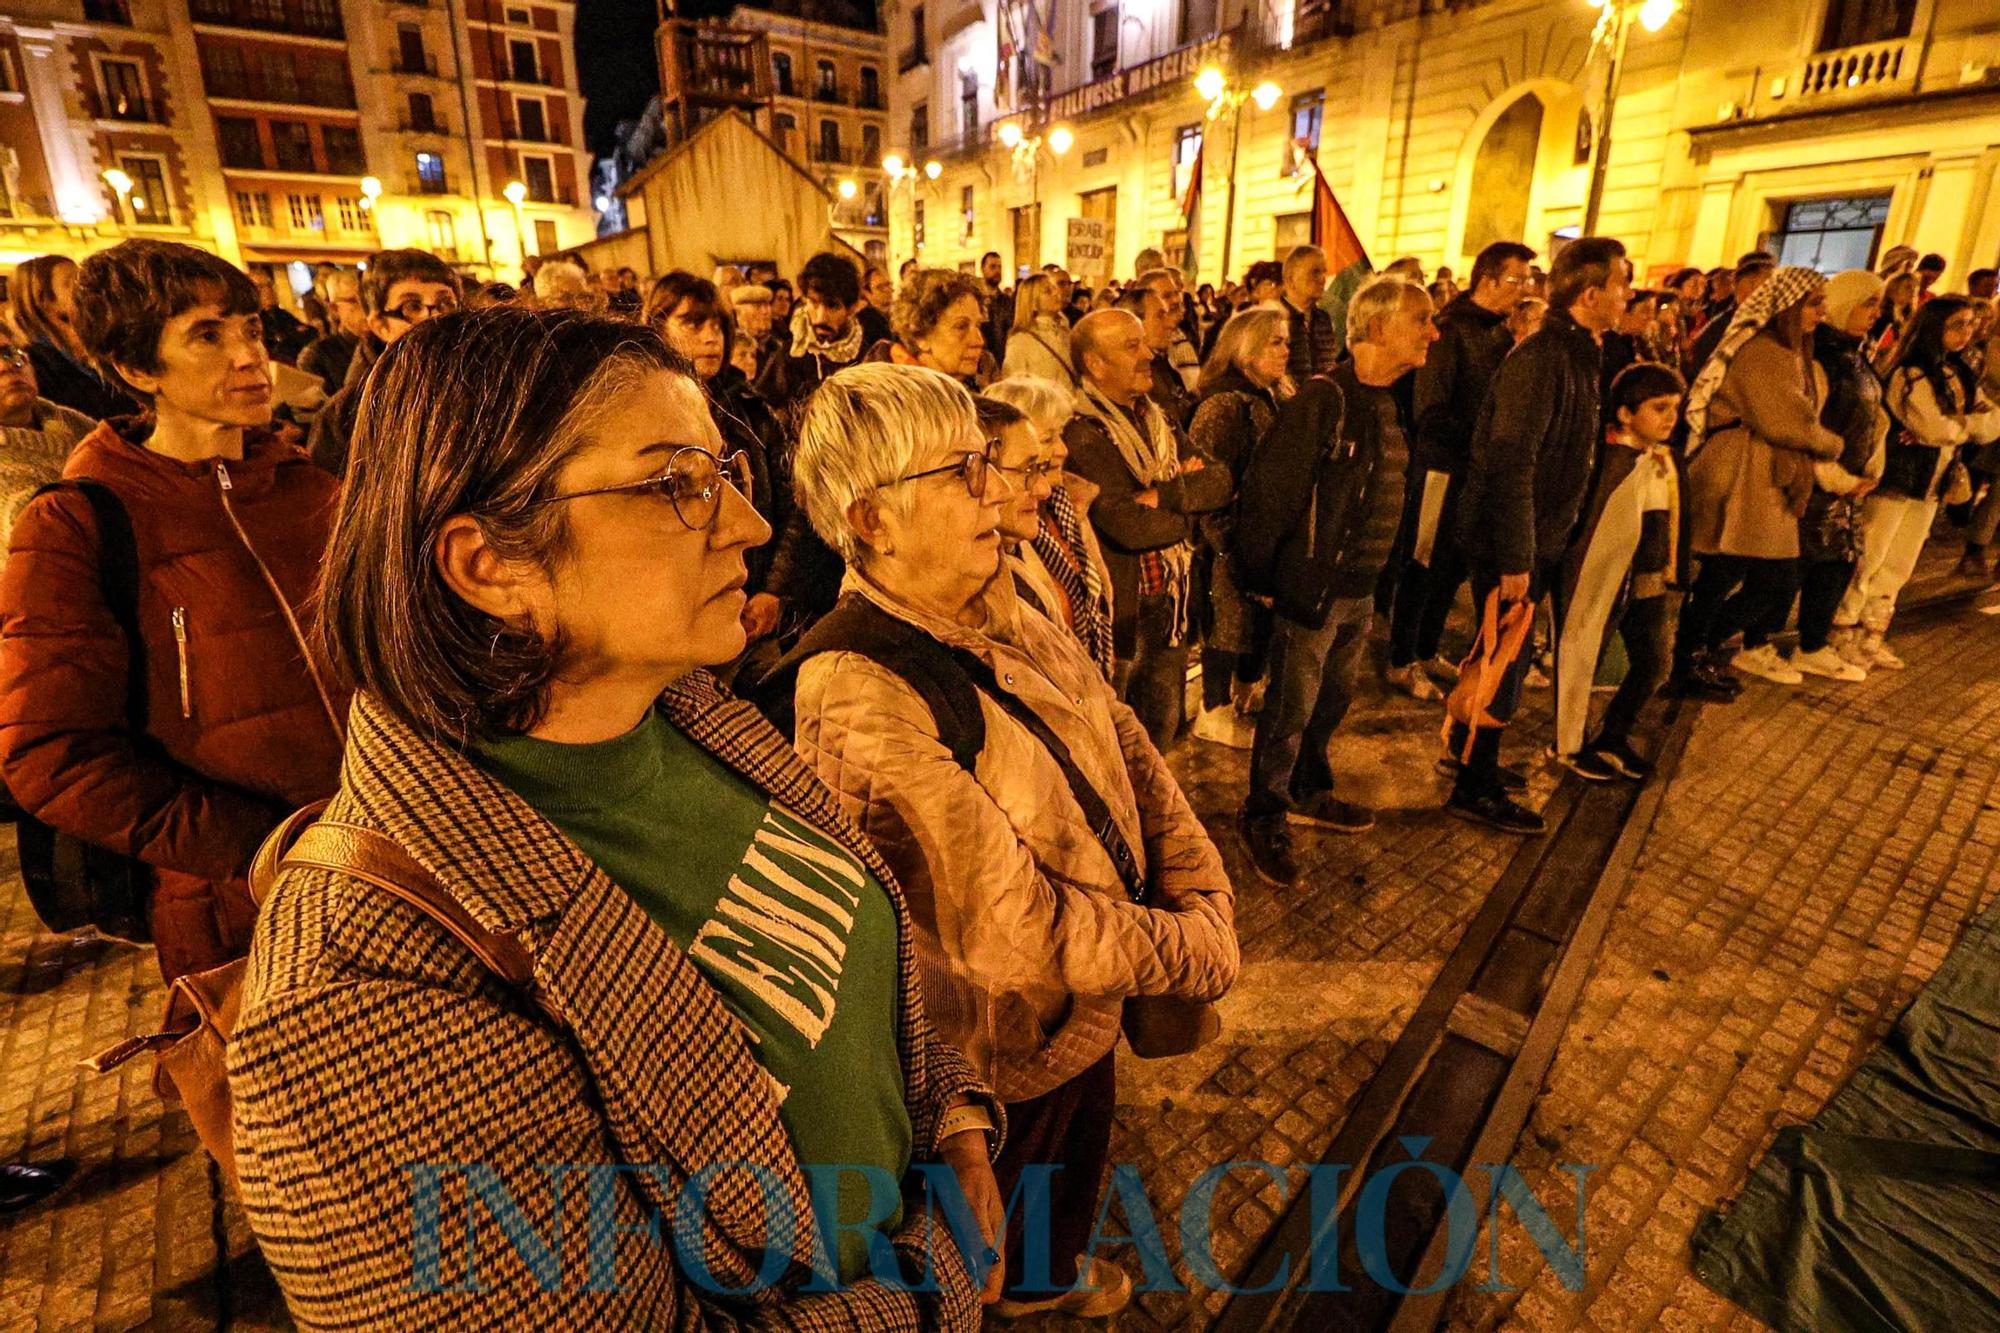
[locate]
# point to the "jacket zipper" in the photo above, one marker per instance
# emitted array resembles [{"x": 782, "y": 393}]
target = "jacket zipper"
[
  {"x": 181, "y": 646},
  {"x": 224, "y": 487}
]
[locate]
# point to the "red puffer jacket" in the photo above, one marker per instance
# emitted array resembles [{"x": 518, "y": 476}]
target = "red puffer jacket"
[{"x": 244, "y": 732}]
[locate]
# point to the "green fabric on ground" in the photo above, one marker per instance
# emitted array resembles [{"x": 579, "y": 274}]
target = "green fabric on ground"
[
  {"x": 1884, "y": 1212},
  {"x": 796, "y": 935}
]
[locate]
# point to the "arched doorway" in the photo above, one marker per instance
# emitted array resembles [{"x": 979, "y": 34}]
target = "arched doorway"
[
  {"x": 1503, "y": 176},
  {"x": 1521, "y": 175}
]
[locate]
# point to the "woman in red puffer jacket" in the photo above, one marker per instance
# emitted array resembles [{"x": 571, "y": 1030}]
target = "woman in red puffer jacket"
[{"x": 228, "y": 523}]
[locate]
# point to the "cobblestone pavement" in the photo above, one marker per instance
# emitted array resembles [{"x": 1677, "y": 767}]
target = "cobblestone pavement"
[{"x": 1809, "y": 868}]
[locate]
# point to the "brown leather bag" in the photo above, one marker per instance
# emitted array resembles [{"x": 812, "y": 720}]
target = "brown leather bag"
[{"x": 193, "y": 1042}]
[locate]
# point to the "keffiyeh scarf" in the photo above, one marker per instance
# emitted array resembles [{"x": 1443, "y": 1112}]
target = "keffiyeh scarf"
[
  {"x": 1151, "y": 458},
  {"x": 1787, "y": 287},
  {"x": 1066, "y": 555},
  {"x": 805, "y": 342}
]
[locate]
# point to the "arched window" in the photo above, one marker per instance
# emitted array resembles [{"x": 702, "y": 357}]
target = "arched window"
[{"x": 1503, "y": 176}]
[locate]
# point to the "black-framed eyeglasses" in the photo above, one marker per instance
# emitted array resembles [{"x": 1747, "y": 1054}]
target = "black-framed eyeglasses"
[
  {"x": 411, "y": 309},
  {"x": 973, "y": 467},
  {"x": 692, "y": 481}
]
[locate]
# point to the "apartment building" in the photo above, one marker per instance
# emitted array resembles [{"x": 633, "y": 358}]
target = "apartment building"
[
  {"x": 1829, "y": 129},
  {"x": 283, "y": 133}
]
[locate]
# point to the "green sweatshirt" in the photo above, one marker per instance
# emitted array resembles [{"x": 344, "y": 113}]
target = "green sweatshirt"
[{"x": 794, "y": 933}]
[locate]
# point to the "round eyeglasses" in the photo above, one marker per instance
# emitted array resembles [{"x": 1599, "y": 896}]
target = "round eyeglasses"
[{"x": 693, "y": 482}]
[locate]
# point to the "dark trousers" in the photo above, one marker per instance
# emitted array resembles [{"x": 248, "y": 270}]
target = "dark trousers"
[
  {"x": 1820, "y": 590},
  {"x": 1312, "y": 685},
  {"x": 1734, "y": 593},
  {"x": 1425, "y": 593},
  {"x": 1643, "y": 628},
  {"x": 1069, "y": 1128},
  {"x": 1154, "y": 679}
]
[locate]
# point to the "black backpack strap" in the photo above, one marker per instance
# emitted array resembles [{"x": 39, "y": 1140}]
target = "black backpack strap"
[
  {"x": 118, "y": 580},
  {"x": 857, "y": 625},
  {"x": 1095, "y": 811}
]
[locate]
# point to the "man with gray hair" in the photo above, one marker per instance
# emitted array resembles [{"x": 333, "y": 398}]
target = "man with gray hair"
[
  {"x": 561, "y": 284},
  {"x": 1316, "y": 519},
  {"x": 1315, "y": 347},
  {"x": 1152, "y": 483}
]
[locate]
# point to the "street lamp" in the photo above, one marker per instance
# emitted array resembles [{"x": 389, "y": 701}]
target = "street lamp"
[
  {"x": 515, "y": 193},
  {"x": 1614, "y": 26},
  {"x": 848, "y": 189},
  {"x": 122, "y": 185},
  {"x": 1216, "y": 90},
  {"x": 1061, "y": 140},
  {"x": 933, "y": 169},
  {"x": 371, "y": 190}
]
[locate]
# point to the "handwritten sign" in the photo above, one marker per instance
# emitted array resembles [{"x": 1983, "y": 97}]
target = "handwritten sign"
[{"x": 1085, "y": 257}]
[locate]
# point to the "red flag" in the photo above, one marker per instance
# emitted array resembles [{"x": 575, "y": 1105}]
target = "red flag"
[
  {"x": 1191, "y": 211},
  {"x": 1331, "y": 231}
]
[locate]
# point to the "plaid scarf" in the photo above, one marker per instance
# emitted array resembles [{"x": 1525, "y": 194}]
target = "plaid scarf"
[
  {"x": 1061, "y": 546},
  {"x": 1785, "y": 289},
  {"x": 1151, "y": 459}
]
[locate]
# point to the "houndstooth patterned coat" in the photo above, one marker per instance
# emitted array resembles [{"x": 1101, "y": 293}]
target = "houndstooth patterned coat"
[{"x": 370, "y": 1041}]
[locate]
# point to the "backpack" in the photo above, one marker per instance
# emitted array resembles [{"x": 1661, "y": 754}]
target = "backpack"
[
  {"x": 950, "y": 681},
  {"x": 72, "y": 883},
  {"x": 192, "y": 1045}
]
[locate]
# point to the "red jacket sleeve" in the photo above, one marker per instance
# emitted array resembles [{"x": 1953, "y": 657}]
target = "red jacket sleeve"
[{"x": 68, "y": 757}]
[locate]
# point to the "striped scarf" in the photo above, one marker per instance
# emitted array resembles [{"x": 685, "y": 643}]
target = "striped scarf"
[
  {"x": 1151, "y": 458},
  {"x": 1061, "y": 546}
]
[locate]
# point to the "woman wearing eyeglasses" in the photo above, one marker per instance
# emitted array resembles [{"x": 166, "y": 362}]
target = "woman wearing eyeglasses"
[
  {"x": 1037, "y": 919},
  {"x": 527, "y": 587}
]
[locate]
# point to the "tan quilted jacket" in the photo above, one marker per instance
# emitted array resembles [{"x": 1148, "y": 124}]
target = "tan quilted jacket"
[
  {"x": 1027, "y": 940},
  {"x": 370, "y": 1040}
]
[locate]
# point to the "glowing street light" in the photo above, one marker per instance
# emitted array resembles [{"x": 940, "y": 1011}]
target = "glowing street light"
[
  {"x": 1061, "y": 140},
  {"x": 371, "y": 190},
  {"x": 893, "y": 164},
  {"x": 1266, "y": 95},
  {"x": 1614, "y": 26},
  {"x": 1215, "y": 89},
  {"x": 122, "y": 185},
  {"x": 515, "y": 193},
  {"x": 1010, "y": 134},
  {"x": 1211, "y": 83},
  {"x": 1653, "y": 14},
  {"x": 848, "y": 189},
  {"x": 933, "y": 169}
]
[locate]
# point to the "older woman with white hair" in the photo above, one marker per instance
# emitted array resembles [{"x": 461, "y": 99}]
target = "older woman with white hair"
[
  {"x": 1062, "y": 556},
  {"x": 1241, "y": 385},
  {"x": 1057, "y": 875}
]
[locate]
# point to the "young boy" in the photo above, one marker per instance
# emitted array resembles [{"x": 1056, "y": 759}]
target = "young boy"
[{"x": 1630, "y": 537}]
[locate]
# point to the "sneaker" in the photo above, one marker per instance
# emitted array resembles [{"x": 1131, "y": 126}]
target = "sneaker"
[
  {"x": 1881, "y": 656},
  {"x": 1442, "y": 669},
  {"x": 1828, "y": 663},
  {"x": 1764, "y": 661},
  {"x": 1104, "y": 1291},
  {"x": 1269, "y": 843},
  {"x": 1223, "y": 725},
  {"x": 1586, "y": 764},
  {"x": 1412, "y": 681},
  {"x": 1698, "y": 684},
  {"x": 1624, "y": 758},
  {"x": 1328, "y": 812},
  {"x": 1495, "y": 810},
  {"x": 1511, "y": 779},
  {"x": 1715, "y": 666}
]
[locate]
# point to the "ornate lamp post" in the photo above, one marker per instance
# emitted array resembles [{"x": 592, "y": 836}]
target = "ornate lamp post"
[
  {"x": 1221, "y": 96},
  {"x": 1614, "y": 26},
  {"x": 515, "y": 193}
]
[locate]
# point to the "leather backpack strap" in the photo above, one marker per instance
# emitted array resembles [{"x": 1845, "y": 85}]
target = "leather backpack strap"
[{"x": 366, "y": 855}]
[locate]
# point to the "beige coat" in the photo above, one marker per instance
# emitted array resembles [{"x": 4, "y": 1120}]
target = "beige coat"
[
  {"x": 1027, "y": 942},
  {"x": 1749, "y": 484}
]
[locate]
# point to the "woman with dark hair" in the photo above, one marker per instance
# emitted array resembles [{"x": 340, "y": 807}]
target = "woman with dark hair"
[
  {"x": 178, "y": 727},
  {"x": 938, "y": 322},
  {"x": 1830, "y": 531},
  {"x": 687, "y": 311},
  {"x": 1753, "y": 433},
  {"x": 542, "y": 561},
  {"x": 42, "y": 293},
  {"x": 1935, "y": 408}
]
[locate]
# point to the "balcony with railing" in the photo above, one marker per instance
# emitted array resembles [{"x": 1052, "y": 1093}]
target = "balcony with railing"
[
  {"x": 421, "y": 64},
  {"x": 519, "y": 133},
  {"x": 828, "y": 95},
  {"x": 915, "y": 54},
  {"x": 301, "y": 18},
  {"x": 541, "y": 193},
  {"x": 1857, "y": 72},
  {"x": 253, "y": 86},
  {"x": 717, "y": 65},
  {"x": 433, "y": 124},
  {"x": 107, "y": 11}
]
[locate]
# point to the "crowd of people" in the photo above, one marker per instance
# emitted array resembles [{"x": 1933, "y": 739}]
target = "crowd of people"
[{"x": 782, "y": 671}]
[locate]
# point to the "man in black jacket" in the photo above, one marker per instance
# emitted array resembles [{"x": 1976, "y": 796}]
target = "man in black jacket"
[
  {"x": 1315, "y": 345},
  {"x": 1752, "y": 272},
  {"x": 1451, "y": 387},
  {"x": 1315, "y": 521},
  {"x": 1526, "y": 478},
  {"x": 1151, "y": 484}
]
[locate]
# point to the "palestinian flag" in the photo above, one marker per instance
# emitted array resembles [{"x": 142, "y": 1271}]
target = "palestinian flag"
[{"x": 1331, "y": 231}]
